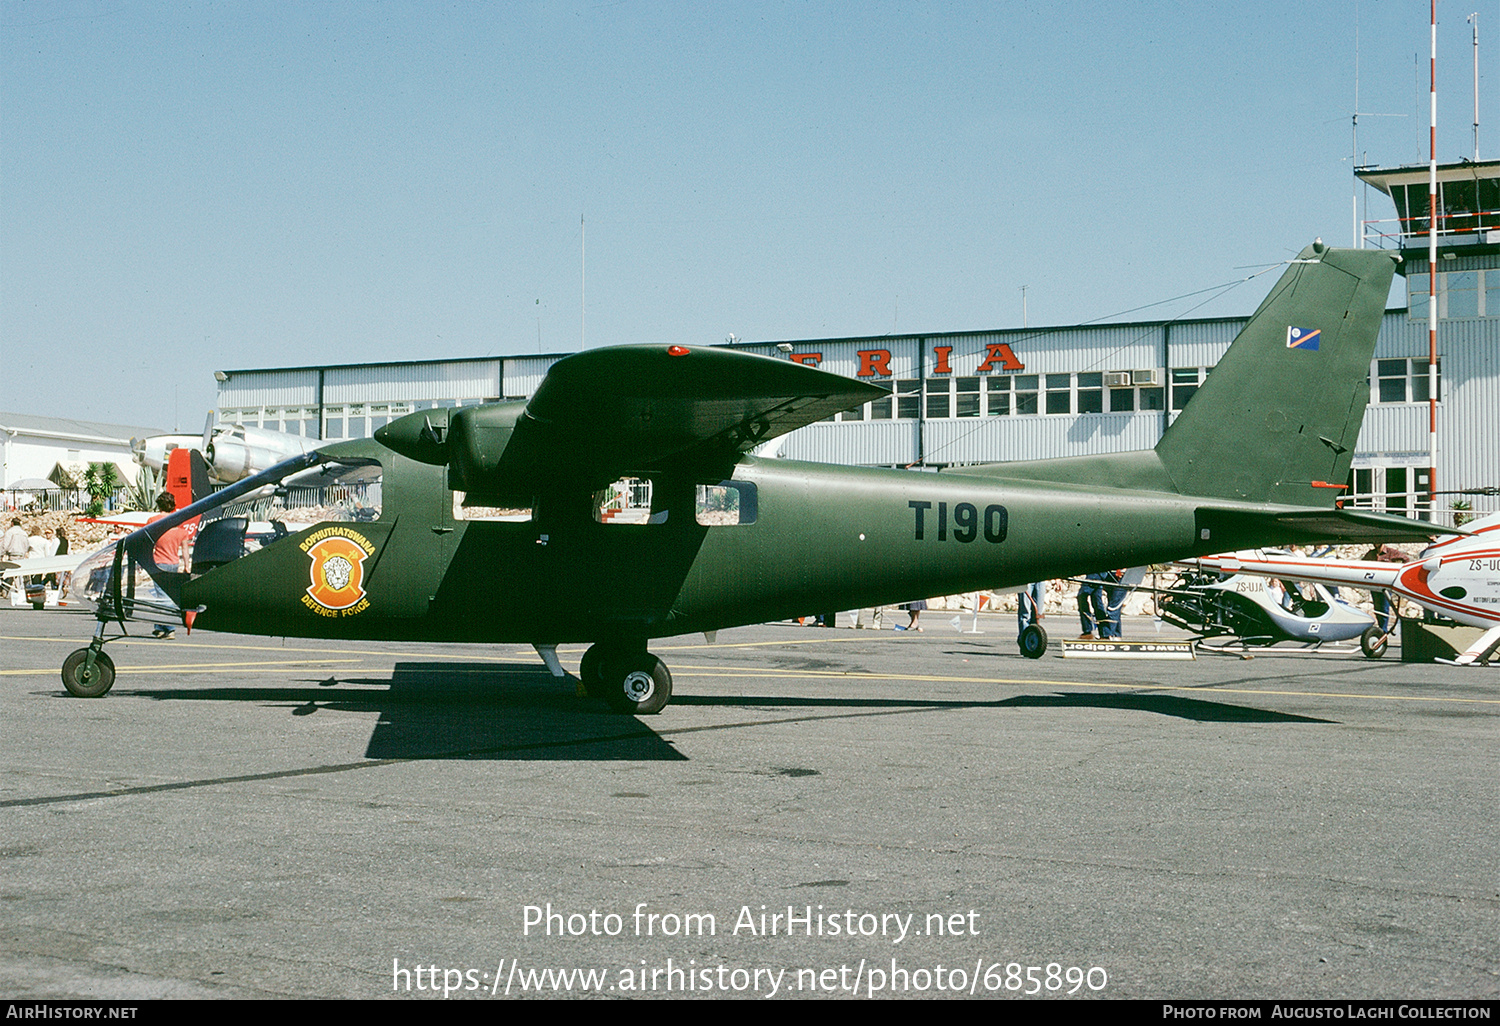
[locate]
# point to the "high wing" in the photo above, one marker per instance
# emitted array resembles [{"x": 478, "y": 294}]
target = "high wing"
[
  {"x": 41, "y": 565},
  {"x": 1358, "y": 573},
  {"x": 608, "y": 412}
]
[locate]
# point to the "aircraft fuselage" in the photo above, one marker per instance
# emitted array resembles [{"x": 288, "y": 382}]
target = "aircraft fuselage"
[{"x": 820, "y": 537}]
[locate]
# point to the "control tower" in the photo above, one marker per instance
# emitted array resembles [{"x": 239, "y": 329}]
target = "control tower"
[
  {"x": 1468, "y": 234},
  {"x": 1391, "y": 470}
]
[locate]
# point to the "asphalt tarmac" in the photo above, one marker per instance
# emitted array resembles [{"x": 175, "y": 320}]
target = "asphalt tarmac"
[{"x": 818, "y": 813}]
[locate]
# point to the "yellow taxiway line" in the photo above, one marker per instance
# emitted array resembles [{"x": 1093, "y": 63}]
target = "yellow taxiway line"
[{"x": 319, "y": 657}]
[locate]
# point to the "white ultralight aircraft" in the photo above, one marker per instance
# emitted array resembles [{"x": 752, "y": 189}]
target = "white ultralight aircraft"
[{"x": 1458, "y": 577}]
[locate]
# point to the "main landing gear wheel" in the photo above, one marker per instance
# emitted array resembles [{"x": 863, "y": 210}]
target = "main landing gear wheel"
[
  {"x": 1033, "y": 642},
  {"x": 85, "y": 682},
  {"x": 637, "y": 683},
  {"x": 589, "y": 672},
  {"x": 1373, "y": 642}
]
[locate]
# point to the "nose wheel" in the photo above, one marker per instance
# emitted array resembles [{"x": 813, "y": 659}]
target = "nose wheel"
[{"x": 88, "y": 678}]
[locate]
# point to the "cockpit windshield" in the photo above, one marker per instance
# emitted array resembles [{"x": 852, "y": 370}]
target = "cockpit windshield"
[{"x": 143, "y": 574}]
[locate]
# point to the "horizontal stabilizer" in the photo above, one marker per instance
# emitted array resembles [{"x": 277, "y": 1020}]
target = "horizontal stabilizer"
[{"x": 1241, "y": 528}]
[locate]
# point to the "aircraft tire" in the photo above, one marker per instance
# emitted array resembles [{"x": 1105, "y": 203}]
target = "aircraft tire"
[
  {"x": 589, "y": 668},
  {"x": 1033, "y": 642},
  {"x": 93, "y": 684},
  {"x": 1373, "y": 642},
  {"x": 638, "y": 684}
]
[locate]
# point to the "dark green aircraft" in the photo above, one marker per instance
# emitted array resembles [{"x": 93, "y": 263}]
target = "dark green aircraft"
[{"x": 619, "y": 503}]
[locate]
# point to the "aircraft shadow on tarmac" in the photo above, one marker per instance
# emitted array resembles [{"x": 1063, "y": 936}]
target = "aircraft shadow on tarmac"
[
  {"x": 462, "y": 711},
  {"x": 518, "y": 712},
  {"x": 1165, "y": 705}
]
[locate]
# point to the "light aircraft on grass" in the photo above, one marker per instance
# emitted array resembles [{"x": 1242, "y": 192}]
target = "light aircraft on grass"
[
  {"x": 619, "y": 504},
  {"x": 1457, "y": 577}
]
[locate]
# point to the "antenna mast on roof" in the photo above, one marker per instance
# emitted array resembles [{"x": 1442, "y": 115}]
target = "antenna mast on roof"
[
  {"x": 1474, "y": 20},
  {"x": 1359, "y": 242}
]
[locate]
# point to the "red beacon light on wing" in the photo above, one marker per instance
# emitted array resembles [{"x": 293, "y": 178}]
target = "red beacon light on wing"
[{"x": 677, "y": 350}]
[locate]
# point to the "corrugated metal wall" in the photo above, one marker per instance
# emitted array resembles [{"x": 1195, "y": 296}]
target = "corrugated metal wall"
[
  {"x": 522, "y": 375},
  {"x": 1469, "y": 415},
  {"x": 460, "y": 379},
  {"x": 269, "y": 388}
]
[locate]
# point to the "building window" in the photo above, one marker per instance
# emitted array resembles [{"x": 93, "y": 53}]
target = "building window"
[
  {"x": 938, "y": 396},
  {"x": 908, "y": 398},
  {"x": 1025, "y": 386},
  {"x": 1460, "y": 294},
  {"x": 997, "y": 396},
  {"x": 1463, "y": 294},
  {"x": 1091, "y": 392},
  {"x": 1185, "y": 381},
  {"x": 1059, "y": 393},
  {"x": 1389, "y": 490},
  {"x": 1404, "y": 381},
  {"x": 1121, "y": 400},
  {"x": 881, "y": 409},
  {"x": 967, "y": 402}
]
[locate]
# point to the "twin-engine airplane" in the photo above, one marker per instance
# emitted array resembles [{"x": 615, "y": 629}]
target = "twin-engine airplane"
[
  {"x": 620, "y": 503},
  {"x": 231, "y": 452}
]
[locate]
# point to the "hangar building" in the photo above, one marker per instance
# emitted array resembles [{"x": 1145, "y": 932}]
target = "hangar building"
[{"x": 1010, "y": 394}]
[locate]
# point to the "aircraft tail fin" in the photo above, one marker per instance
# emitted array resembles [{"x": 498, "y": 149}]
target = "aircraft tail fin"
[
  {"x": 1278, "y": 418},
  {"x": 186, "y": 476}
]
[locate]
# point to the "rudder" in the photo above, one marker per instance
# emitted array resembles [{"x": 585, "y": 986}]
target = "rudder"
[{"x": 1278, "y": 418}]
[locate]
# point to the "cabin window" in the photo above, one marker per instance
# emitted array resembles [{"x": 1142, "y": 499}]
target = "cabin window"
[
  {"x": 726, "y": 504},
  {"x": 464, "y": 510},
  {"x": 627, "y": 501}
]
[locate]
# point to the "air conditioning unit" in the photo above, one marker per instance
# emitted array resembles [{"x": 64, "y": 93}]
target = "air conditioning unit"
[
  {"x": 1146, "y": 377},
  {"x": 1117, "y": 379}
]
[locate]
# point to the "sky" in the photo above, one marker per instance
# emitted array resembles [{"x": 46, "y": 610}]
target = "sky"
[{"x": 187, "y": 187}]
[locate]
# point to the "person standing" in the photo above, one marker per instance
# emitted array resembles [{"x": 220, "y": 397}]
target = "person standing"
[
  {"x": 13, "y": 547},
  {"x": 1091, "y": 610},
  {"x": 1030, "y": 606},
  {"x": 1114, "y": 593},
  {"x": 170, "y": 551},
  {"x": 915, "y": 609}
]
